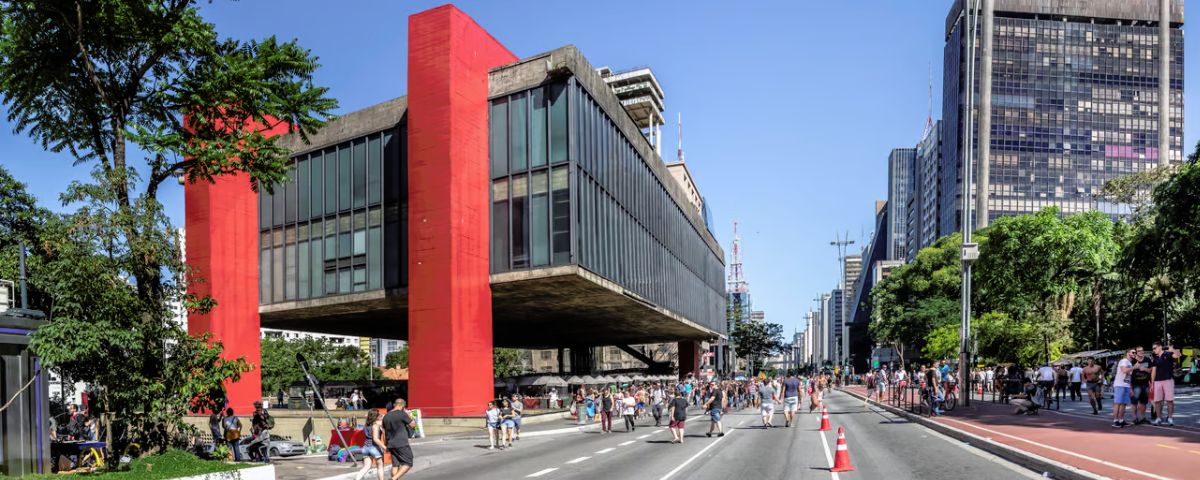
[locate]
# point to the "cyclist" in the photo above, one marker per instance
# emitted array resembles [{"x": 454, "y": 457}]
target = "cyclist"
[{"x": 932, "y": 391}]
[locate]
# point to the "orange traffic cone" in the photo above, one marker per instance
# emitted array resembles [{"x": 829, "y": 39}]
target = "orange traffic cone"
[
  {"x": 979, "y": 391},
  {"x": 824, "y": 420},
  {"x": 841, "y": 460}
]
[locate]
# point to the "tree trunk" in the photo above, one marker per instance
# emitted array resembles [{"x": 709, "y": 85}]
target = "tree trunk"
[{"x": 1096, "y": 301}]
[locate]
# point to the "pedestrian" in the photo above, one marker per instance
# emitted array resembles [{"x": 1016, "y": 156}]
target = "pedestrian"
[
  {"x": 715, "y": 406},
  {"x": 656, "y": 403},
  {"x": 1139, "y": 385},
  {"x": 791, "y": 398},
  {"x": 232, "y": 426},
  {"x": 518, "y": 407},
  {"x": 491, "y": 418},
  {"x": 261, "y": 424},
  {"x": 553, "y": 398},
  {"x": 628, "y": 410},
  {"x": 767, "y": 397},
  {"x": 579, "y": 408},
  {"x": 678, "y": 414},
  {"x": 214, "y": 427},
  {"x": 871, "y": 389},
  {"x": 1121, "y": 390},
  {"x": 371, "y": 450},
  {"x": 1062, "y": 378},
  {"x": 1047, "y": 379},
  {"x": 606, "y": 412},
  {"x": 1075, "y": 378},
  {"x": 354, "y": 400},
  {"x": 1163, "y": 376},
  {"x": 1024, "y": 401},
  {"x": 1092, "y": 375},
  {"x": 396, "y": 424},
  {"x": 506, "y": 423}
]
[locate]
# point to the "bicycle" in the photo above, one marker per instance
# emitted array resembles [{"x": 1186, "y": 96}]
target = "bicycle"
[{"x": 951, "y": 398}]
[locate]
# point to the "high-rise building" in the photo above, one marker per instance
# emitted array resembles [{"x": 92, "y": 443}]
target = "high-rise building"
[
  {"x": 900, "y": 174},
  {"x": 836, "y": 320},
  {"x": 1078, "y": 94},
  {"x": 928, "y": 187},
  {"x": 853, "y": 269}
]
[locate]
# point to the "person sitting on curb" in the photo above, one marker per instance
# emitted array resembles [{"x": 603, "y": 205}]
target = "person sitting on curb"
[{"x": 1024, "y": 401}]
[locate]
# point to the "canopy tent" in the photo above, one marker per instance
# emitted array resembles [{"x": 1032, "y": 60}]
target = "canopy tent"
[
  {"x": 576, "y": 380},
  {"x": 549, "y": 381}
]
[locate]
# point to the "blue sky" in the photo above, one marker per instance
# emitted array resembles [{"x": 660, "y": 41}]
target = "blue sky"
[{"x": 790, "y": 108}]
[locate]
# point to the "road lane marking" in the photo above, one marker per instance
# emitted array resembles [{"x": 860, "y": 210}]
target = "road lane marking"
[
  {"x": 1059, "y": 450},
  {"x": 580, "y": 459},
  {"x": 697, "y": 455},
  {"x": 627, "y": 442},
  {"x": 741, "y": 422},
  {"x": 643, "y": 436},
  {"x": 543, "y": 472},
  {"x": 828, "y": 456},
  {"x": 1167, "y": 446},
  {"x": 657, "y": 431},
  {"x": 1197, "y": 452},
  {"x": 609, "y": 449}
]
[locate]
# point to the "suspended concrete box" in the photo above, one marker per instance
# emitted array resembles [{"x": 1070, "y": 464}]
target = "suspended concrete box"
[{"x": 25, "y": 424}]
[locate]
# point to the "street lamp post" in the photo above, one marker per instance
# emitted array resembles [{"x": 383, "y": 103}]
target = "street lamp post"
[
  {"x": 970, "y": 251},
  {"x": 841, "y": 243}
]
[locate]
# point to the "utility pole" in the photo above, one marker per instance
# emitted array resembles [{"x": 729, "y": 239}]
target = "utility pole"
[
  {"x": 970, "y": 251},
  {"x": 841, "y": 243}
]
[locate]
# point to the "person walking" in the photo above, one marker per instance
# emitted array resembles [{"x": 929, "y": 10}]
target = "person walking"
[
  {"x": 628, "y": 410},
  {"x": 396, "y": 424},
  {"x": 261, "y": 424},
  {"x": 606, "y": 412},
  {"x": 767, "y": 397},
  {"x": 791, "y": 397},
  {"x": 715, "y": 406},
  {"x": 214, "y": 427},
  {"x": 1092, "y": 375},
  {"x": 371, "y": 450},
  {"x": 518, "y": 407},
  {"x": 656, "y": 403},
  {"x": 491, "y": 417},
  {"x": 677, "y": 411},
  {"x": 1163, "y": 376},
  {"x": 232, "y": 426},
  {"x": 506, "y": 423},
  {"x": 1121, "y": 391},
  {"x": 1075, "y": 378},
  {"x": 579, "y": 407}
]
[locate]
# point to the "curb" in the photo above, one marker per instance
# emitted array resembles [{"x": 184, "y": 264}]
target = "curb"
[{"x": 1031, "y": 461}]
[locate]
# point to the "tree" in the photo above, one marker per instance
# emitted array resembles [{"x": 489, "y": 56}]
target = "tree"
[
  {"x": 918, "y": 298},
  {"x": 754, "y": 340},
  {"x": 508, "y": 362},
  {"x": 141, "y": 91},
  {"x": 326, "y": 361},
  {"x": 398, "y": 358}
]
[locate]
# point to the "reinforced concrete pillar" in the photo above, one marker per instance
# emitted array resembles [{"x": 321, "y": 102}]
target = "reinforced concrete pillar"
[
  {"x": 985, "y": 118},
  {"x": 1164, "y": 83},
  {"x": 449, "y": 296},
  {"x": 689, "y": 358}
]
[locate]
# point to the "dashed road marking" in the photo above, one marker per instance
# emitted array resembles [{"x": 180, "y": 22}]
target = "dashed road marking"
[
  {"x": 643, "y": 436},
  {"x": 697, "y": 455},
  {"x": 1167, "y": 446},
  {"x": 540, "y": 473},
  {"x": 609, "y": 449},
  {"x": 657, "y": 431},
  {"x": 828, "y": 455},
  {"x": 577, "y": 460},
  {"x": 627, "y": 442}
]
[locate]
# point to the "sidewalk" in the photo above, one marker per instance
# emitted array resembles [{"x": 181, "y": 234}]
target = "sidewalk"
[{"x": 1080, "y": 441}]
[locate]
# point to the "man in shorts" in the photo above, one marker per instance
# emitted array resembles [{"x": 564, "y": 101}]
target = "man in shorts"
[
  {"x": 767, "y": 397},
  {"x": 791, "y": 398},
  {"x": 677, "y": 411},
  {"x": 715, "y": 405},
  {"x": 396, "y": 424},
  {"x": 1139, "y": 386},
  {"x": 1121, "y": 389},
  {"x": 1094, "y": 386},
  {"x": 1163, "y": 376}
]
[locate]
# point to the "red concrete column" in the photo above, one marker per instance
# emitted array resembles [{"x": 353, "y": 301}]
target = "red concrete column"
[
  {"x": 689, "y": 358},
  {"x": 221, "y": 220},
  {"x": 449, "y": 296}
]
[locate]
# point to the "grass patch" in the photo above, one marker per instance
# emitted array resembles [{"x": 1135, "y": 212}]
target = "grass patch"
[{"x": 170, "y": 464}]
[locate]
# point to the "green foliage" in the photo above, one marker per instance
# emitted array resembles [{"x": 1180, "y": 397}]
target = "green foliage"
[
  {"x": 506, "y": 362},
  {"x": 942, "y": 342},
  {"x": 169, "y": 464},
  {"x": 757, "y": 339},
  {"x": 398, "y": 358},
  {"x": 141, "y": 90},
  {"x": 326, "y": 361},
  {"x": 918, "y": 298}
]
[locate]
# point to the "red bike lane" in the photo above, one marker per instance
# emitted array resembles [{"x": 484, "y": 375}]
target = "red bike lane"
[{"x": 1083, "y": 442}]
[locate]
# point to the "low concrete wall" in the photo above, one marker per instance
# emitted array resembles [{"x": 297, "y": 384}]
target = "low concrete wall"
[{"x": 297, "y": 425}]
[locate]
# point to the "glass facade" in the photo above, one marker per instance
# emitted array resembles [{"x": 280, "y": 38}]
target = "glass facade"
[
  {"x": 900, "y": 177},
  {"x": 569, "y": 188},
  {"x": 337, "y": 225},
  {"x": 1074, "y": 104}
]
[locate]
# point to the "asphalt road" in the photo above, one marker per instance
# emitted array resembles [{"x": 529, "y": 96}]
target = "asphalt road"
[{"x": 881, "y": 446}]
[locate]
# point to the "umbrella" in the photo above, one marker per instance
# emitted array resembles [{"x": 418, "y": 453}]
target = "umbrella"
[
  {"x": 639, "y": 378},
  {"x": 527, "y": 381},
  {"x": 623, "y": 379},
  {"x": 556, "y": 382},
  {"x": 607, "y": 379},
  {"x": 575, "y": 380},
  {"x": 589, "y": 380}
]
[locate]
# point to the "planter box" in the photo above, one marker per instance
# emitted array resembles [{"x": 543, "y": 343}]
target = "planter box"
[{"x": 263, "y": 472}]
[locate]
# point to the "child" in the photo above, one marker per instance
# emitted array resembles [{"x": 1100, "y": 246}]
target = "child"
[{"x": 492, "y": 418}]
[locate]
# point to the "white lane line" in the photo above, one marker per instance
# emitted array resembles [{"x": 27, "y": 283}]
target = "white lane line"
[
  {"x": 741, "y": 422},
  {"x": 828, "y": 456},
  {"x": 577, "y": 460},
  {"x": 697, "y": 455},
  {"x": 609, "y": 449},
  {"x": 622, "y": 444},
  {"x": 644, "y": 436},
  {"x": 1059, "y": 450},
  {"x": 543, "y": 472},
  {"x": 656, "y": 432}
]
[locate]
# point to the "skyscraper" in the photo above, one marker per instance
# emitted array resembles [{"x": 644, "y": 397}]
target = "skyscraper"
[
  {"x": 900, "y": 176},
  {"x": 929, "y": 159},
  {"x": 1069, "y": 97},
  {"x": 853, "y": 269}
]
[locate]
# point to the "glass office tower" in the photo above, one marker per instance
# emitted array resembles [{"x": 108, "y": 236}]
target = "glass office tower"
[{"x": 1074, "y": 103}]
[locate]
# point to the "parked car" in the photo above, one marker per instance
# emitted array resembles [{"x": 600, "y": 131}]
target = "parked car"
[{"x": 282, "y": 447}]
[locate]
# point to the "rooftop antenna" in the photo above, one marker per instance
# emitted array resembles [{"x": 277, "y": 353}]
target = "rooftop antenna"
[
  {"x": 929, "y": 118},
  {"x": 679, "y": 138}
]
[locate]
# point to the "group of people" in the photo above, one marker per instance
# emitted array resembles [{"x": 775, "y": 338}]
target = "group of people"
[
  {"x": 226, "y": 428},
  {"x": 503, "y": 419},
  {"x": 935, "y": 381}
]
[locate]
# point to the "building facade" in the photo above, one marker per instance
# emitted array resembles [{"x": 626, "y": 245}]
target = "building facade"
[
  {"x": 1074, "y": 100},
  {"x": 900, "y": 178},
  {"x": 928, "y": 187}
]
